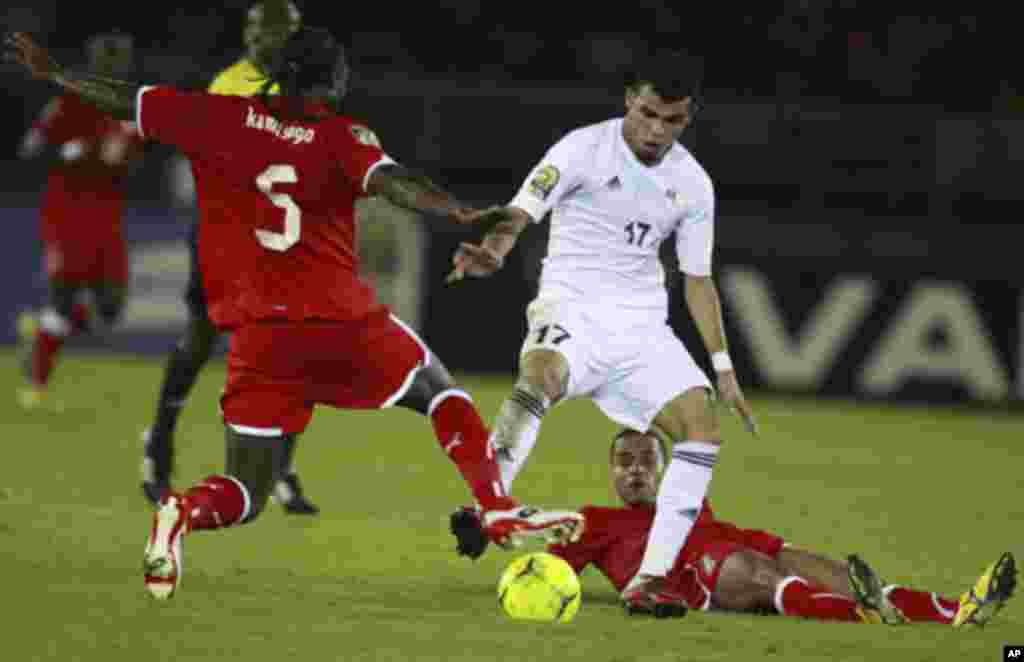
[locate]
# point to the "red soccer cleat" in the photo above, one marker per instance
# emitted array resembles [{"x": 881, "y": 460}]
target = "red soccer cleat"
[
  {"x": 512, "y": 526},
  {"x": 163, "y": 560}
]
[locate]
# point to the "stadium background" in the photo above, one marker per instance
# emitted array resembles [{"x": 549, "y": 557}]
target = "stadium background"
[
  {"x": 867, "y": 177},
  {"x": 867, "y": 168}
]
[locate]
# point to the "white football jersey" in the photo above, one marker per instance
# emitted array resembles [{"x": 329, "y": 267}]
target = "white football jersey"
[{"x": 609, "y": 215}]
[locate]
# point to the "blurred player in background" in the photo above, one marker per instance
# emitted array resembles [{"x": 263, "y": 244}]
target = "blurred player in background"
[
  {"x": 599, "y": 329},
  {"x": 277, "y": 178},
  {"x": 268, "y": 25},
  {"x": 88, "y": 155},
  {"x": 727, "y": 568}
]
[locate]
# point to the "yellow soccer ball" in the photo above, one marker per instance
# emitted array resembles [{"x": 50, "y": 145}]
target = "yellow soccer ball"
[{"x": 539, "y": 587}]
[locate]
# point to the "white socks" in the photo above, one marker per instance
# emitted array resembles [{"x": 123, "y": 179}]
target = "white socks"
[
  {"x": 680, "y": 498},
  {"x": 516, "y": 429}
]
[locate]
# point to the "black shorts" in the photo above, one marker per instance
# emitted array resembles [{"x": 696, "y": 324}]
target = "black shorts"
[{"x": 195, "y": 298}]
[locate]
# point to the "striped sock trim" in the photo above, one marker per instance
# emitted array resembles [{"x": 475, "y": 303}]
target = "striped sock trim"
[
  {"x": 698, "y": 453},
  {"x": 246, "y": 499},
  {"x": 529, "y": 402},
  {"x": 781, "y": 588},
  {"x": 436, "y": 401}
]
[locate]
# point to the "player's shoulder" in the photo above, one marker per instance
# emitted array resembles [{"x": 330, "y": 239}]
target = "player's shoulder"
[
  {"x": 355, "y": 129},
  {"x": 684, "y": 164},
  {"x": 589, "y": 137}
]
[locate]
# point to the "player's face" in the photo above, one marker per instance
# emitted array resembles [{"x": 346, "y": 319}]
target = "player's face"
[
  {"x": 652, "y": 125},
  {"x": 268, "y": 26},
  {"x": 111, "y": 55},
  {"x": 636, "y": 465}
]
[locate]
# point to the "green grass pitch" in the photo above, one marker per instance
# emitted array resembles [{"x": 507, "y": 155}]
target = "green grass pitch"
[{"x": 928, "y": 495}]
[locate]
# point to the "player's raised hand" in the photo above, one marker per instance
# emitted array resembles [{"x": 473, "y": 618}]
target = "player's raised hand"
[
  {"x": 730, "y": 392},
  {"x": 485, "y": 219},
  {"x": 473, "y": 260},
  {"x": 21, "y": 48}
]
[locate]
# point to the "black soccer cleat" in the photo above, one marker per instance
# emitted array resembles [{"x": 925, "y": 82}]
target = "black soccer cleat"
[
  {"x": 288, "y": 492},
  {"x": 469, "y": 533}
]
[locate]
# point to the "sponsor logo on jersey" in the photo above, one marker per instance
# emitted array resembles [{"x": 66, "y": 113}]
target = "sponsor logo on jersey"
[
  {"x": 365, "y": 136},
  {"x": 295, "y": 134},
  {"x": 544, "y": 181}
]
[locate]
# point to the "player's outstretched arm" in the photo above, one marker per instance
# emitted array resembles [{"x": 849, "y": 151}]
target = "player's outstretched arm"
[
  {"x": 482, "y": 260},
  {"x": 706, "y": 309},
  {"x": 116, "y": 97},
  {"x": 414, "y": 191}
]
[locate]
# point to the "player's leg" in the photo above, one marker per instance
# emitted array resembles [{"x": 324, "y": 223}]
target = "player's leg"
[
  {"x": 109, "y": 297},
  {"x": 856, "y": 580},
  {"x": 184, "y": 363},
  {"x": 288, "y": 489},
  {"x": 690, "y": 422},
  {"x": 236, "y": 497},
  {"x": 462, "y": 435},
  {"x": 894, "y": 604},
  {"x": 747, "y": 580},
  {"x": 821, "y": 570},
  {"x": 553, "y": 350},
  {"x": 180, "y": 373},
  {"x": 61, "y": 318},
  {"x": 542, "y": 381}
]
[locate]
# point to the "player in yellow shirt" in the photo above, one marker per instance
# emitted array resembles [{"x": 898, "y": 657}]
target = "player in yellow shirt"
[{"x": 268, "y": 24}]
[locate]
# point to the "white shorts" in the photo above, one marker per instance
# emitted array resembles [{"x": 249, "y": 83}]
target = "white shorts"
[{"x": 631, "y": 371}]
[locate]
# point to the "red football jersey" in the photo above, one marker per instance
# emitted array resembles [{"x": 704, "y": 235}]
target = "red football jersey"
[
  {"x": 85, "y": 195},
  {"x": 614, "y": 540},
  {"x": 276, "y": 198}
]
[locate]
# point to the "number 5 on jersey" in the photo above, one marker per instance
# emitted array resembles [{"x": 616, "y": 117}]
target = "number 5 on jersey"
[{"x": 280, "y": 241}]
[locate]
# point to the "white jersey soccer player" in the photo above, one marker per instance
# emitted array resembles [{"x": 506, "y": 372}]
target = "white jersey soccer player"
[
  {"x": 602, "y": 303},
  {"x": 599, "y": 325}
]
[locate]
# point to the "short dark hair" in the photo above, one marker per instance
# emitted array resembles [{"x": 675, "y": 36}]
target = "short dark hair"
[
  {"x": 310, "y": 58},
  {"x": 673, "y": 75}
]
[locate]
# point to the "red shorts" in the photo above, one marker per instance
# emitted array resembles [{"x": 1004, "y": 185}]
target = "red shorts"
[
  {"x": 87, "y": 260},
  {"x": 709, "y": 545},
  {"x": 278, "y": 371}
]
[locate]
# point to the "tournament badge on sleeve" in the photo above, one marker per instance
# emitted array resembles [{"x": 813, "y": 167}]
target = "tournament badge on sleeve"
[{"x": 544, "y": 181}]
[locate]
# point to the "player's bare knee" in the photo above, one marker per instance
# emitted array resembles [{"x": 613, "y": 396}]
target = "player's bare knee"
[
  {"x": 690, "y": 416},
  {"x": 547, "y": 371},
  {"x": 428, "y": 388},
  {"x": 747, "y": 580}
]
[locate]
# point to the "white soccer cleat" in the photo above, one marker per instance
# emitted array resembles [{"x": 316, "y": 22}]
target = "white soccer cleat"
[
  {"x": 511, "y": 528},
  {"x": 163, "y": 560}
]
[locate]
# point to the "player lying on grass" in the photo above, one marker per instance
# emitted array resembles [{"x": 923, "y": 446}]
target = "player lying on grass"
[
  {"x": 278, "y": 177},
  {"x": 727, "y": 568}
]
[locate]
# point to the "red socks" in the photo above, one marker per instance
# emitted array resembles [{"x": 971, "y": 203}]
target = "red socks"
[
  {"x": 922, "y": 607},
  {"x": 50, "y": 338},
  {"x": 44, "y": 355},
  {"x": 795, "y": 597},
  {"x": 463, "y": 437},
  {"x": 217, "y": 502}
]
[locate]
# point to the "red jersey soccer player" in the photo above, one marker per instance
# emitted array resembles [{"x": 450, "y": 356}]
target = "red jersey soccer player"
[
  {"x": 276, "y": 180},
  {"x": 88, "y": 154},
  {"x": 728, "y": 568}
]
